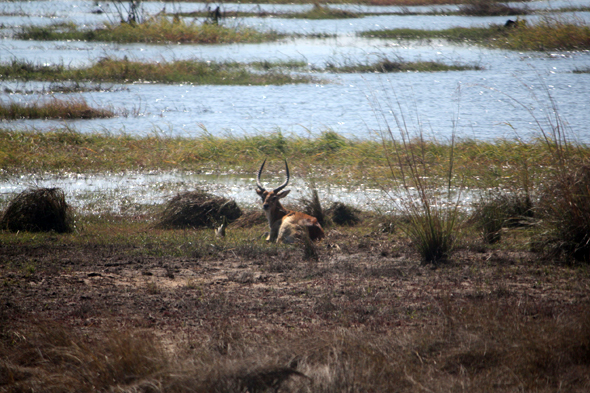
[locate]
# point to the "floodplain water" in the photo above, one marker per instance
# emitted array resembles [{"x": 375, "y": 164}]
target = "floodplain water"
[{"x": 507, "y": 98}]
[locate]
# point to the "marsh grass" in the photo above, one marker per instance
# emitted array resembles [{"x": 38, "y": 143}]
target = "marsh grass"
[
  {"x": 182, "y": 71},
  {"x": 551, "y": 33},
  {"x": 390, "y": 66},
  {"x": 429, "y": 200},
  {"x": 548, "y": 34},
  {"x": 54, "y": 108},
  {"x": 490, "y": 8},
  {"x": 158, "y": 30},
  {"x": 502, "y": 163},
  {"x": 318, "y": 11}
]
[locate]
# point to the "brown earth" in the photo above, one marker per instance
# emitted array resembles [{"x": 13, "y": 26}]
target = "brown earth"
[{"x": 373, "y": 283}]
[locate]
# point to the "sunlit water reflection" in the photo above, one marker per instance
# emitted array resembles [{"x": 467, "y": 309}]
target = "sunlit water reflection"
[{"x": 513, "y": 96}]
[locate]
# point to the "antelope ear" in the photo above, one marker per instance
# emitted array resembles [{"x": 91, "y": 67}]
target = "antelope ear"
[
  {"x": 283, "y": 194},
  {"x": 259, "y": 191}
]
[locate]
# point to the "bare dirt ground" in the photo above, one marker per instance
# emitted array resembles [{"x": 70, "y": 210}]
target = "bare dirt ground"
[{"x": 373, "y": 283}]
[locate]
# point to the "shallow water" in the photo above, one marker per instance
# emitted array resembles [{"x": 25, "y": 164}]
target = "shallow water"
[
  {"x": 131, "y": 192},
  {"x": 515, "y": 94}
]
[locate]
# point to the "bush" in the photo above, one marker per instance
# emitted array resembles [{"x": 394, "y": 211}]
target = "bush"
[
  {"x": 197, "y": 209},
  {"x": 565, "y": 210},
  {"x": 343, "y": 214},
  {"x": 38, "y": 210},
  {"x": 497, "y": 210}
]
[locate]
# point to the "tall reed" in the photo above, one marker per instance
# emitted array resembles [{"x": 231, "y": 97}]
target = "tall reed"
[{"x": 428, "y": 200}]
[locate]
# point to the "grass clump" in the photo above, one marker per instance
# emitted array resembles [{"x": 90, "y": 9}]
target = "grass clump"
[
  {"x": 76, "y": 108},
  {"x": 565, "y": 210},
  {"x": 390, "y": 66},
  {"x": 497, "y": 210},
  {"x": 38, "y": 210},
  {"x": 127, "y": 71},
  {"x": 197, "y": 209},
  {"x": 158, "y": 30}
]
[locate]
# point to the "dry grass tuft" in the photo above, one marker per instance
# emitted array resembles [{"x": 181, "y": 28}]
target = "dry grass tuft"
[
  {"x": 497, "y": 210},
  {"x": 343, "y": 214},
  {"x": 197, "y": 209},
  {"x": 313, "y": 207},
  {"x": 38, "y": 210},
  {"x": 565, "y": 210}
]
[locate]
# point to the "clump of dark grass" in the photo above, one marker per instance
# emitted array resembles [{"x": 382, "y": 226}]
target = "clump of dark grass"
[
  {"x": 313, "y": 207},
  {"x": 38, "y": 210},
  {"x": 197, "y": 209},
  {"x": 343, "y": 214},
  {"x": 390, "y": 66},
  {"x": 155, "y": 30},
  {"x": 497, "y": 210},
  {"x": 127, "y": 71},
  {"x": 74, "y": 108},
  {"x": 490, "y": 8}
]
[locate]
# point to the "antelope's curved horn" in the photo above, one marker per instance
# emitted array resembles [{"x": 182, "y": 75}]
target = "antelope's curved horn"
[
  {"x": 258, "y": 177},
  {"x": 279, "y": 188}
]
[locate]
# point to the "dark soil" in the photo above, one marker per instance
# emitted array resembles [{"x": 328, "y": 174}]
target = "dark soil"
[{"x": 373, "y": 282}]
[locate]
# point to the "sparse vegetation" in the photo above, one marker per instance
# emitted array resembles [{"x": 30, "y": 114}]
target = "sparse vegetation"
[
  {"x": 76, "y": 108},
  {"x": 387, "y": 66},
  {"x": 182, "y": 71}
]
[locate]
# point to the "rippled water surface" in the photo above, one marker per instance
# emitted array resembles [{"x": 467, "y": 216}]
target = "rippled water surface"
[{"x": 507, "y": 98}]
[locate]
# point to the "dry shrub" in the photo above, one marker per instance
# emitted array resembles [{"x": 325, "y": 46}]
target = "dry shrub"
[
  {"x": 343, "y": 214},
  {"x": 565, "y": 209},
  {"x": 250, "y": 219},
  {"x": 197, "y": 209},
  {"x": 38, "y": 210}
]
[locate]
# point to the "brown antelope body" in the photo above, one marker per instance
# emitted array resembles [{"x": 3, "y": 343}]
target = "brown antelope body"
[{"x": 285, "y": 225}]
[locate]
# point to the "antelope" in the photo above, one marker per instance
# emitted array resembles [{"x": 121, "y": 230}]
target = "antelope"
[{"x": 285, "y": 225}]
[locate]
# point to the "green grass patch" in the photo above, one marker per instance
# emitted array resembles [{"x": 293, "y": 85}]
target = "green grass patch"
[
  {"x": 76, "y": 108},
  {"x": 549, "y": 34},
  {"x": 153, "y": 31},
  {"x": 126, "y": 71},
  {"x": 387, "y": 66},
  {"x": 503, "y": 163}
]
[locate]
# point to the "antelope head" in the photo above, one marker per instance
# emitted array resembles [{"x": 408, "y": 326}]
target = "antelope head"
[{"x": 270, "y": 199}]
